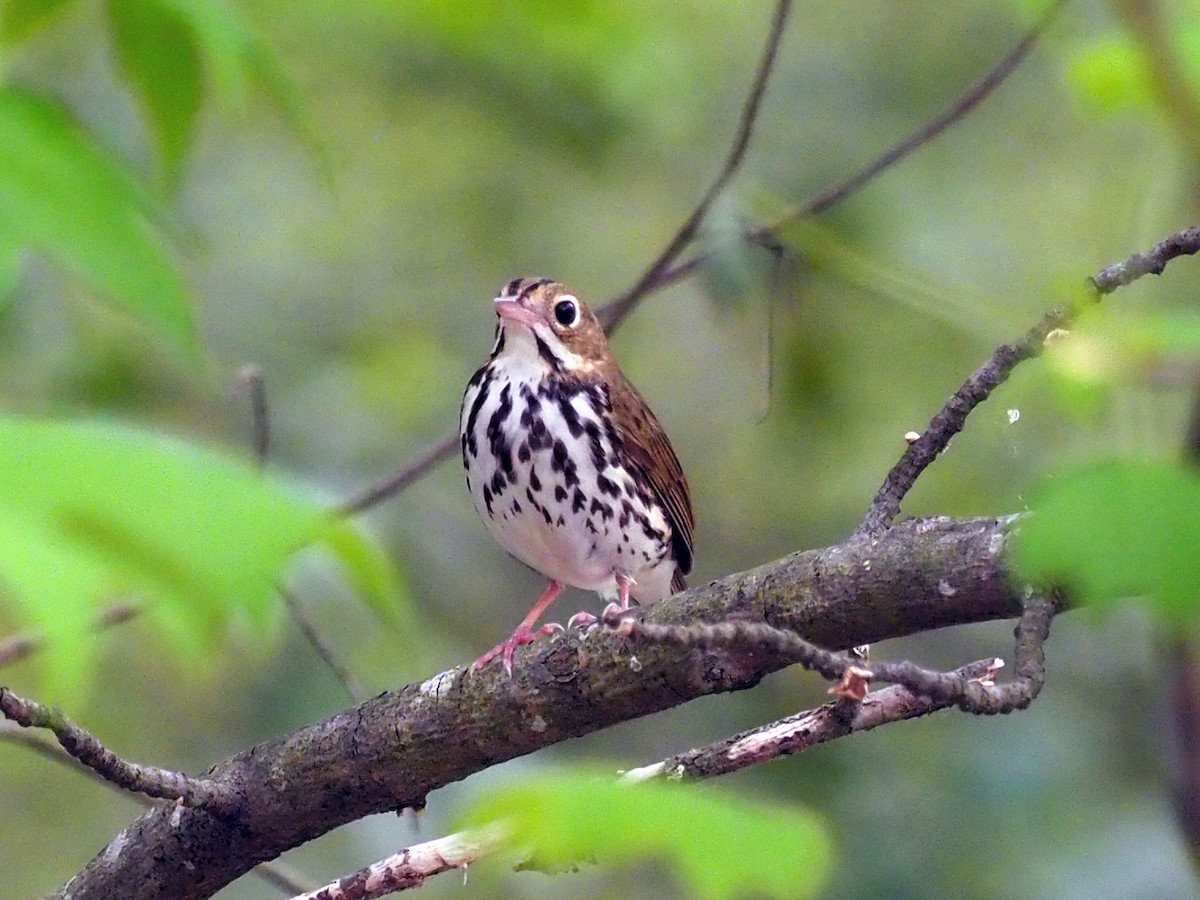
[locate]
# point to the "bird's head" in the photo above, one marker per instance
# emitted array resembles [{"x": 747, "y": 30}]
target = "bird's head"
[{"x": 543, "y": 319}]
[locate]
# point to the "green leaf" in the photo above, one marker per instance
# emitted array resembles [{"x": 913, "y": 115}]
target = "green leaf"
[
  {"x": 21, "y": 18},
  {"x": 1111, "y": 76},
  {"x": 92, "y": 514},
  {"x": 1110, "y": 347},
  {"x": 720, "y": 844},
  {"x": 62, "y": 194},
  {"x": 1115, "y": 530},
  {"x": 158, "y": 56}
]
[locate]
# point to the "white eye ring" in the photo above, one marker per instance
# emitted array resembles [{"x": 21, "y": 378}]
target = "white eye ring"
[{"x": 566, "y": 312}]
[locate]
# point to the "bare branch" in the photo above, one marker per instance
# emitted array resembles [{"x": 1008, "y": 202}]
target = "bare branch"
[
  {"x": 615, "y": 312},
  {"x": 393, "y": 749},
  {"x": 411, "y": 866},
  {"x": 972, "y": 695},
  {"x": 393, "y": 484},
  {"x": 275, "y": 872},
  {"x": 161, "y": 784},
  {"x": 885, "y": 506},
  {"x": 949, "y": 421},
  {"x": 970, "y": 100},
  {"x": 797, "y": 733},
  {"x": 1152, "y": 262}
]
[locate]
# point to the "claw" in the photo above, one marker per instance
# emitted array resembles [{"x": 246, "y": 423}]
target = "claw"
[
  {"x": 505, "y": 649},
  {"x": 581, "y": 619}
]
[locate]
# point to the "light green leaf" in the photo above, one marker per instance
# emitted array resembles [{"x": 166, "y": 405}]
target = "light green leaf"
[
  {"x": 720, "y": 844},
  {"x": 92, "y": 514},
  {"x": 1115, "y": 530},
  {"x": 62, "y": 194},
  {"x": 157, "y": 52},
  {"x": 21, "y": 18},
  {"x": 1109, "y": 348}
]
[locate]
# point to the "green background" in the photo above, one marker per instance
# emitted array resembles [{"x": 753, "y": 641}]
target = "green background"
[{"x": 352, "y": 250}]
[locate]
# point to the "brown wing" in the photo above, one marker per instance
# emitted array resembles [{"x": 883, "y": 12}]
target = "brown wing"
[{"x": 647, "y": 445}]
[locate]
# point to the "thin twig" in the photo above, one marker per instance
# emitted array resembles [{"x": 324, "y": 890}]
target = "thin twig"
[
  {"x": 393, "y": 484},
  {"x": 970, "y": 100},
  {"x": 252, "y": 380},
  {"x": 323, "y": 649},
  {"x": 970, "y": 695},
  {"x": 797, "y": 733},
  {"x": 16, "y": 647},
  {"x": 616, "y": 311},
  {"x": 949, "y": 421},
  {"x": 162, "y": 784},
  {"x": 1152, "y": 262},
  {"x": 277, "y": 873}
]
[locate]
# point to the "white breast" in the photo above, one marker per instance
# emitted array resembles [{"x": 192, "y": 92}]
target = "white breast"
[{"x": 544, "y": 478}]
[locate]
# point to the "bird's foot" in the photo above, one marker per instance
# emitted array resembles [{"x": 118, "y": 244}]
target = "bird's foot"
[
  {"x": 581, "y": 619},
  {"x": 506, "y": 648}
]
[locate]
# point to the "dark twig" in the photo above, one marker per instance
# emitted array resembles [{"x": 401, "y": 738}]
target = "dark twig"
[
  {"x": 970, "y": 100},
  {"x": 253, "y": 382},
  {"x": 949, "y": 421},
  {"x": 162, "y": 784},
  {"x": 794, "y": 734},
  {"x": 323, "y": 649},
  {"x": 616, "y": 311},
  {"x": 19, "y": 646},
  {"x": 1152, "y": 262},
  {"x": 393, "y": 484},
  {"x": 885, "y": 506},
  {"x": 970, "y": 695}
]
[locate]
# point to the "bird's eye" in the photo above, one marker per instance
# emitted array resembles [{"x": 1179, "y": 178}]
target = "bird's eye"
[{"x": 566, "y": 312}]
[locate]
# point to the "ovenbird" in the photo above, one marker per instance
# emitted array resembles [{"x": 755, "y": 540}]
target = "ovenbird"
[{"x": 568, "y": 467}]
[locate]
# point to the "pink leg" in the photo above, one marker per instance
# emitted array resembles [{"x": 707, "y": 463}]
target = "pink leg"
[
  {"x": 523, "y": 633},
  {"x": 624, "y": 583}
]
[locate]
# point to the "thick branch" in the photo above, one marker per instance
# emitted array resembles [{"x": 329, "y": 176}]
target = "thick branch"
[{"x": 392, "y": 750}]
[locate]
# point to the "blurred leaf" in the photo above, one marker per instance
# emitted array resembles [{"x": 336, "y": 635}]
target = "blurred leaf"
[
  {"x": 21, "y": 18},
  {"x": 64, "y": 195},
  {"x": 158, "y": 56},
  {"x": 235, "y": 53},
  {"x": 1114, "y": 530},
  {"x": 1110, "y": 347},
  {"x": 91, "y": 514},
  {"x": 1110, "y": 76},
  {"x": 720, "y": 844}
]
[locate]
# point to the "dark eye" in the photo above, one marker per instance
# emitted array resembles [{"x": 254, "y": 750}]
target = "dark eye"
[{"x": 566, "y": 312}]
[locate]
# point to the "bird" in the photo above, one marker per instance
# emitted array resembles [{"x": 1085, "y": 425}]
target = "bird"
[{"x": 567, "y": 466}]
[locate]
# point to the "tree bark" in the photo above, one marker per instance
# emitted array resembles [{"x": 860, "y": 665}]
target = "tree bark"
[{"x": 394, "y": 749}]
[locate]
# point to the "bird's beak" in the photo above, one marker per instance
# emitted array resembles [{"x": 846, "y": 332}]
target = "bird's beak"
[{"x": 513, "y": 310}]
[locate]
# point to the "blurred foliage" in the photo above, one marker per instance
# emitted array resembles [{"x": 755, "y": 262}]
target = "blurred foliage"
[
  {"x": 720, "y": 844},
  {"x": 93, "y": 515},
  {"x": 1117, "y": 530},
  {"x": 335, "y": 191}
]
